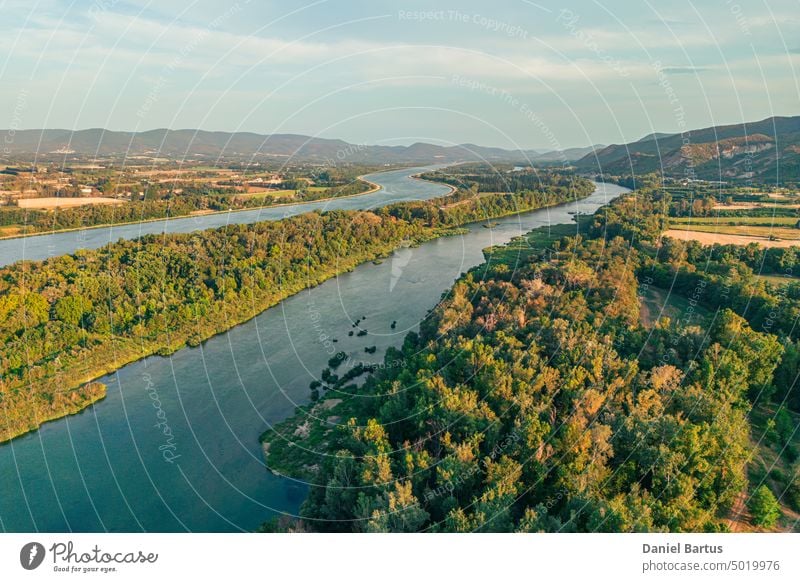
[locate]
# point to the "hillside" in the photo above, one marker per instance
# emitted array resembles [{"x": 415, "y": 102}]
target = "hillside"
[{"x": 762, "y": 151}]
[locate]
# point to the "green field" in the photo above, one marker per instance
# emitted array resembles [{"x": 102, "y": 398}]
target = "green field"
[
  {"x": 736, "y": 220},
  {"x": 520, "y": 248},
  {"x": 740, "y": 227}
]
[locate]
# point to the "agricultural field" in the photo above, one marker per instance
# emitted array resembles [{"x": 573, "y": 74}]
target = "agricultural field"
[
  {"x": 56, "y": 202},
  {"x": 97, "y": 194},
  {"x": 778, "y": 228},
  {"x": 744, "y": 228},
  {"x": 712, "y": 238}
]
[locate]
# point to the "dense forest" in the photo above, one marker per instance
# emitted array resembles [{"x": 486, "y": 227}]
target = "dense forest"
[
  {"x": 486, "y": 178},
  {"x": 536, "y": 398},
  {"x": 70, "y": 319}
]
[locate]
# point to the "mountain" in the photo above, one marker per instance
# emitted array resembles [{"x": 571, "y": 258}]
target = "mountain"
[
  {"x": 193, "y": 144},
  {"x": 767, "y": 150},
  {"x": 187, "y": 143},
  {"x": 567, "y": 155},
  {"x": 652, "y": 136}
]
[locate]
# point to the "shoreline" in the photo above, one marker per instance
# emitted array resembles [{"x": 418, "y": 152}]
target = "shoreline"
[
  {"x": 373, "y": 188},
  {"x": 270, "y": 435}
]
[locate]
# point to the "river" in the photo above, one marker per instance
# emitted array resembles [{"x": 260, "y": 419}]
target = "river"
[
  {"x": 396, "y": 186},
  {"x": 112, "y": 468}
]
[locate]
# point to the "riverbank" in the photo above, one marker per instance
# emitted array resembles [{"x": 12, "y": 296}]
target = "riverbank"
[
  {"x": 76, "y": 401},
  {"x": 76, "y": 374},
  {"x": 396, "y": 186},
  {"x": 373, "y": 187},
  {"x": 293, "y": 448}
]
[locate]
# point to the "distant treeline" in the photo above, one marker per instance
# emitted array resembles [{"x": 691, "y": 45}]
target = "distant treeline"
[
  {"x": 171, "y": 206},
  {"x": 494, "y": 181}
]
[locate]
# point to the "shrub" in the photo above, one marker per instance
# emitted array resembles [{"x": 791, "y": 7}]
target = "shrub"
[{"x": 764, "y": 507}]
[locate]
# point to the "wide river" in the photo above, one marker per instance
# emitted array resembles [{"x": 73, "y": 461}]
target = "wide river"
[
  {"x": 396, "y": 186},
  {"x": 108, "y": 469}
]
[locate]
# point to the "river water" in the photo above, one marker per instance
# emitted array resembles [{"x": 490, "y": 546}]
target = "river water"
[
  {"x": 112, "y": 468},
  {"x": 395, "y": 187}
]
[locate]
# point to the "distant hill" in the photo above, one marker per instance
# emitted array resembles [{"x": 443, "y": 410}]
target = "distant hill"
[
  {"x": 567, "y": 155},
  {"x": 652, "y": 136},
  {"x": 764, "y": 151},
  {"x": 188, "y": 144}
]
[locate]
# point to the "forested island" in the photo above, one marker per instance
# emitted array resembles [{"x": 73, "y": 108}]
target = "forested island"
[
  {"x": 554, "y": 389},
  {"x": 71, "y": 319}
]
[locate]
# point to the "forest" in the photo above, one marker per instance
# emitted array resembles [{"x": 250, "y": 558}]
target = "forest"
[
  {"x": 69, "y": 320},
  {"x": 535, "y": 398}
]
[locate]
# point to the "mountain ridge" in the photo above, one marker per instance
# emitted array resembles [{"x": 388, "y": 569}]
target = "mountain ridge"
[
  {"x": 765, "y": 150},
  {"x": 203, "y": 143}
]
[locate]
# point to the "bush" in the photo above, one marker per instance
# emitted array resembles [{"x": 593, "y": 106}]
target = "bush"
[
  {"x": 793, "y": 489},
  {"x": 336, "y": 360},
  {"x": 764, "y": 507}
]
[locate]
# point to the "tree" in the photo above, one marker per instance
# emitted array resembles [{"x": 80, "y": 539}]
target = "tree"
[
  {"x": 764, "y": 507},
  {"x": 792, "y": 495},
  {"x": 71, "y": 309}
]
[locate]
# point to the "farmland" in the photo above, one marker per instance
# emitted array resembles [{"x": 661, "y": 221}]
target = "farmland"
[
  {"x": 769, "y": 219},
  {"x": 52, "y": 197},
  {"x": 54, "y": 202}
]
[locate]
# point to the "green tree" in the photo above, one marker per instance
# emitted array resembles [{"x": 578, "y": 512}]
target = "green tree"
[
  {"x": 71, "y": 309},
  {"x": 764, "y": 507}
]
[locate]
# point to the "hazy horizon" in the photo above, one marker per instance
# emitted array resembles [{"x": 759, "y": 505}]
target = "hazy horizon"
[{"x": 384, "y": 142}]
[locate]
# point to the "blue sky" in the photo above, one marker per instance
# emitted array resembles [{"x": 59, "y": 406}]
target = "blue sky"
[{"x": 509, "y": 73}]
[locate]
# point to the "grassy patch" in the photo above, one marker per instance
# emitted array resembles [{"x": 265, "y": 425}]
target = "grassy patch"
[
  {"x": 657, "y": 303},
  {"x": 519, "y": 249},
  {"x": 298, "y": 446}
]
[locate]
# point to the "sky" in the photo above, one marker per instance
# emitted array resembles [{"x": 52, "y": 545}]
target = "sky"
[{"x": 508, "y": 73}]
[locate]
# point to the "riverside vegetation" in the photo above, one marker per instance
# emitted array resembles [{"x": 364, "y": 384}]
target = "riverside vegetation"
[
  {"x": 71, "y": 319},
  {"x": 536, "y": 397},
  {"x": 164, "y": 205}
]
